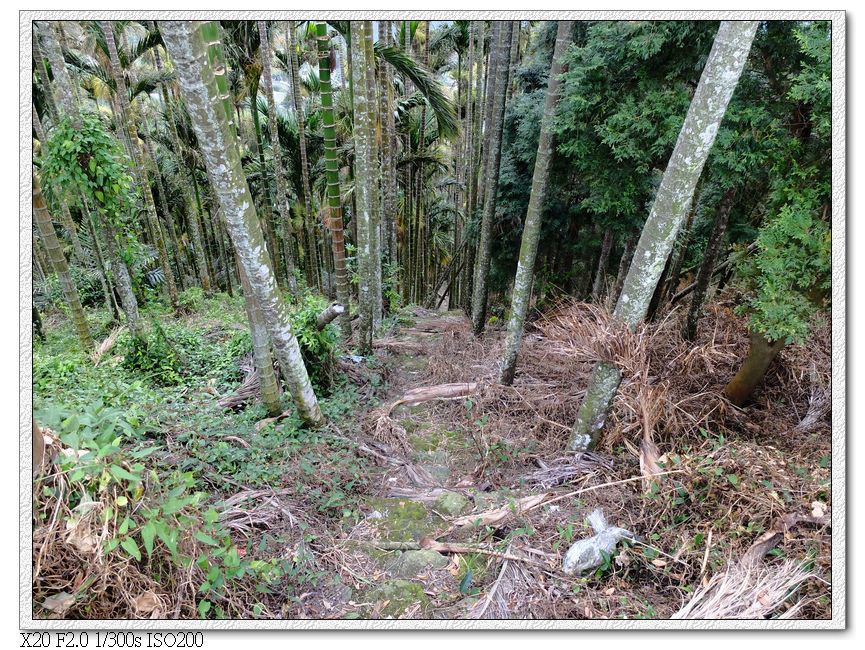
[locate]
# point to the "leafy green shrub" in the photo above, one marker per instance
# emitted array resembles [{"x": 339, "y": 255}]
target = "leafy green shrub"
[
  {"x": 153, "y": 356},
  {"x": 149, "y": 517},
  {"x": 790, "y": 274},
  {"x": 316, "y": 346},
  {"x": 50, "y": 369},
  {"x": 191, "y": 299}
]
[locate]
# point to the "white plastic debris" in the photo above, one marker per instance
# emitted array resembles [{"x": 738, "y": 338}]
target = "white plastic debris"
[{"x": 585, "y": 554}]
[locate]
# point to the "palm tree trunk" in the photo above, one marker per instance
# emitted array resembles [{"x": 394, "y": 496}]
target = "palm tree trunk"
[
  {"x": 482, "y": 263},
  {"x": 66, "y": 93},
  {"x": 61, "y": 268},
  {"x": 107, "y": 287},
  {"x": 267, "y": 383},
  {"x": 334, "y": 198},
  {"x": 532, "y": 229},
  {"x": 717, "y": 83},
  {"x": 167, "y": 218},
  {"x": 366, "y": 186},
  {"x": 50, "y": 104},
  {"x": 219, "y": 149},
  {"x": 284, "y": 213},
  {"x": 140, "y": 168},
  {"x": 308, "y": 214},
  {"x": 269, "y": 224}
]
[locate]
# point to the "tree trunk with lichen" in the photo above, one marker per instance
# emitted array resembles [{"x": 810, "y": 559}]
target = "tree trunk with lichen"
[
  {"x": 532, "y": 229},
  {"x": 366, "y": 182},
  {"x": 261, "y": 358},
  {"x": 717, "y": 83},
  {"x": 502, "y": 37},
  {"x": 222, "y": 158},
  {"x": 61, "y": 267}
]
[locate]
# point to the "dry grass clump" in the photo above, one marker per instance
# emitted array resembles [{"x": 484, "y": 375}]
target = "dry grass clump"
[{"x": 749, "y": 593}]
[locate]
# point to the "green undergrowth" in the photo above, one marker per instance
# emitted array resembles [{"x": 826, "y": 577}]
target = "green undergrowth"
[{"x": 160, "y": 455}]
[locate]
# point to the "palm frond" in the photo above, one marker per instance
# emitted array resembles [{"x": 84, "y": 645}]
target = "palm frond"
[{"x": 431, "y": 89}]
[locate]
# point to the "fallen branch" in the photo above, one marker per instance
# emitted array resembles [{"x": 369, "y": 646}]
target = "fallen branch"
[
  {"x": 442, "y": 391},
  {"x": 500, "y": 514},
  {"x": 328, "y": 315}
]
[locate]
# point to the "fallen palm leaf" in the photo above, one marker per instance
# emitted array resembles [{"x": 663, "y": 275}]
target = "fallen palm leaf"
[{"x": 106, "y": 345}]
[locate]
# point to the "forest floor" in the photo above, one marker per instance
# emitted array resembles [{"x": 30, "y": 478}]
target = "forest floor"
[{"x": 457, "y": 507}]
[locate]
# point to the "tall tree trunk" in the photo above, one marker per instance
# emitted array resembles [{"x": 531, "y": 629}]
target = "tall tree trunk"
[
  {"x": 532, "y": 229},
  {"x": 368, "y": 254},
  {"x": 717, "y": 83},
  {"x": 601, "y": 273},
  {"x": 122, "y": 279},
  {"x": 679, "y": 252},
  {"x": 710, "y": 256},
  {"x": 267, "y": 383},
  {"x": 140, "y": 168},
  {"x": 474, "y": 161},
  {"x": 61, "y": 268},
  {"x": 334, "y": 197},
  {"x": 388, "y": 143},
  {"x": 309, "y": 215},
  {"x": 67, "y": 103},
  {"x": 107, "y": 286},
  {"x": 283, "y": 212},
  {"x": 482, "y": 263},
  {"x": 221, "y": 156},
  {"x": 50, "y": 104}
]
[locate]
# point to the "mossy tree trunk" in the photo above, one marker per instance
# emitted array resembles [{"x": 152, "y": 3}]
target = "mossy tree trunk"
[
  {"x": 717, "y": 83},
  {"x": 222, "y": 158},
  {"x": 502, "y": 37},
  {"x": 334, "y": 197},
  {"x": 532, "y": 229},
  {"x": 60, "y": 266}
]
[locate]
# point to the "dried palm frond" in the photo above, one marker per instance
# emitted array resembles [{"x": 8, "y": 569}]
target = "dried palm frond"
[
  {"x": 746, "y": 592},
  {"x": 106, "y": 345}
]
